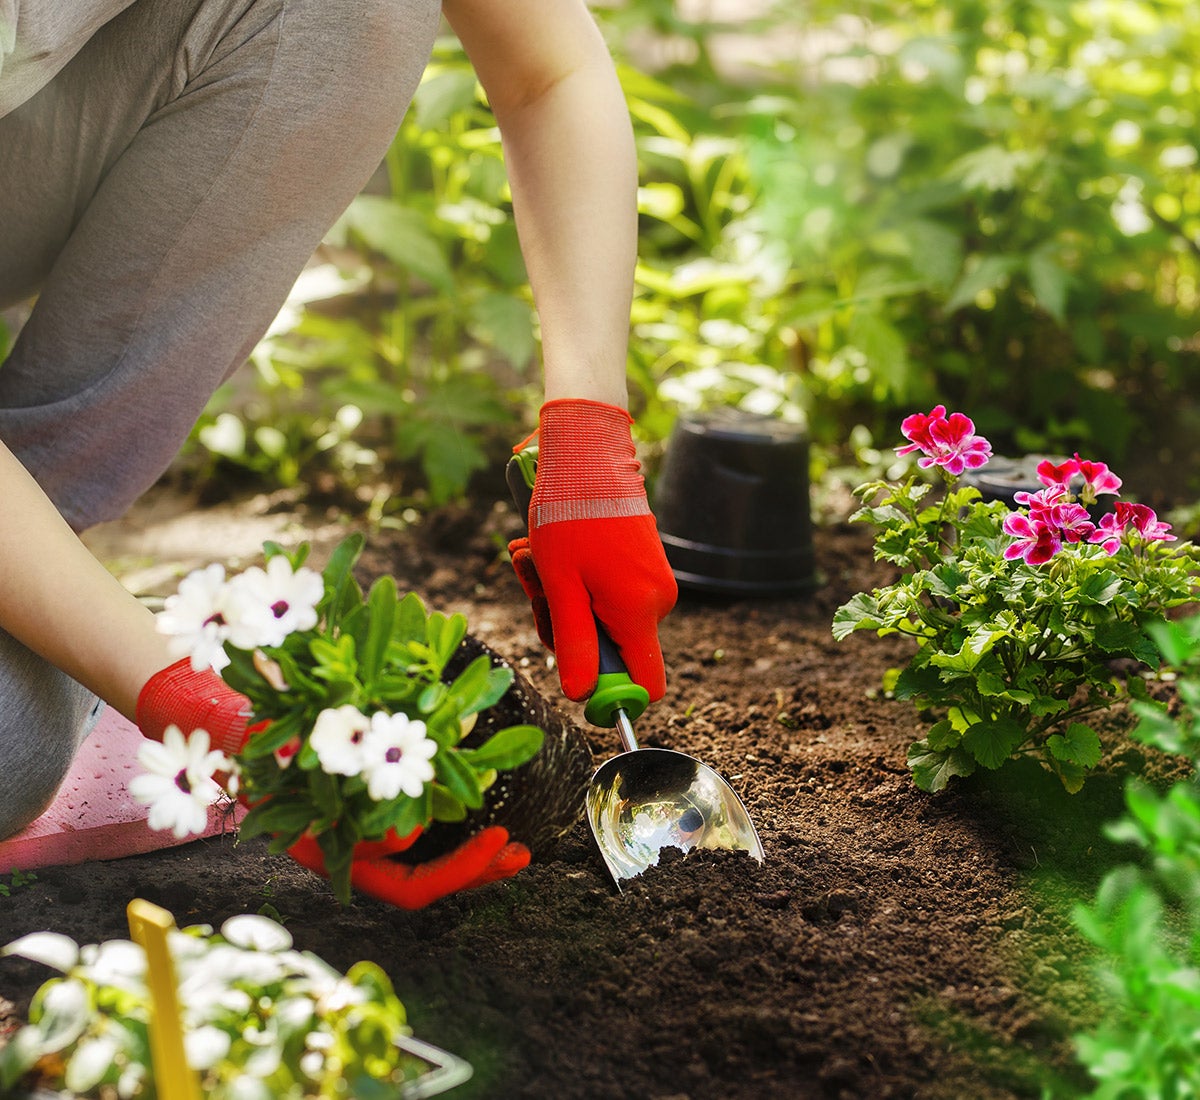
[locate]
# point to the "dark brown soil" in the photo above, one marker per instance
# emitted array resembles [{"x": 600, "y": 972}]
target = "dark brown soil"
[{"x": 893, "y": 944}]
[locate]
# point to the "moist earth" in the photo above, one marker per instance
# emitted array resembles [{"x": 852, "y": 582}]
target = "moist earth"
[{"x": 893, "y": 943}]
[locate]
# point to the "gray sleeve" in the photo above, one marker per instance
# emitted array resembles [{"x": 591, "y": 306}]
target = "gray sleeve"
[
  {"x": 8, "y": 31},
  {"x": 38, "y": 37}
]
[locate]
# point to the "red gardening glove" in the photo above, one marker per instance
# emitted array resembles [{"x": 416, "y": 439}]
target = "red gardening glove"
[
  {"x": 179, "y": 696},
  {"x": 596, "y": 547},
  {"x": 486, "y": 857}
]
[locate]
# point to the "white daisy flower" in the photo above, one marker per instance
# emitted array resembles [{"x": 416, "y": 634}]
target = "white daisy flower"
[
  {"x": 205, "y": 1046},
  {"x": 117, "y": 963},
  {"x": 254, "y": 932},
  {"x": 276, "y": 601},
  {"x": 337, "y": 738},
  {"x": 396, "y": 757},
  {"x": 178, "y": 785},
  {"x": 196, "y": 618}
]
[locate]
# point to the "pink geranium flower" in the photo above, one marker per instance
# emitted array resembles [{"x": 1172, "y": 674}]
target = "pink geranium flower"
[
  {"x": 1053, "y": 519},
  {"x": 916, "y": 428},
  {"x": 1071, "y": 521},
  {"x": 1060, "y": 475},
  {"x": 1034, "y": 541},
  {"x": 1043, "y": 500},
  {"x": 1097, "y": 477},
  {"x": 946, "y": 441},
  {"x": 1128, "y": 517}
]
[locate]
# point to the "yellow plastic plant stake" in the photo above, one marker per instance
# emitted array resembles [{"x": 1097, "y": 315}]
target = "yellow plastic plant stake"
[{"x": 149, "y": 925}]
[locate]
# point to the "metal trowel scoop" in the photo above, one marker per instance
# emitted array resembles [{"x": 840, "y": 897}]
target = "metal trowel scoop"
[{"x": 646, "y": 800}]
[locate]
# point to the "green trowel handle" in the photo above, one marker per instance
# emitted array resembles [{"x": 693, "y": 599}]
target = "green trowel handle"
[{"x": 615, "y": 691}]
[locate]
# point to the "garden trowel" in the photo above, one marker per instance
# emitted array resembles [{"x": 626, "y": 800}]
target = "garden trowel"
[{"x": 644, "y": 800}]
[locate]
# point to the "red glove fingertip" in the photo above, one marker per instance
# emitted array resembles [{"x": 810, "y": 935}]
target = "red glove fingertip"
[
  {"x": 644, "y": 663},
  {"x": 513, "y": 857},
  {"x": 526, "y": 571}
]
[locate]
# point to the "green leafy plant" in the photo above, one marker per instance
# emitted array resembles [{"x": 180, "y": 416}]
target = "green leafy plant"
[
  {"x": 1145, "y": 917},
  {"x": 18, "y": 880},
  {"x": 1017, "y": 615},
  {"x": 357, "y": 727},
  {"x": 261, "y": 1020},
  {"x": 972, "y": 198}
]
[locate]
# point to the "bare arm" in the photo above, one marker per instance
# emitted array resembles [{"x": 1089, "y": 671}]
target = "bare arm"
[
  {"x": 571, "y": 162},
  {"x": 63, "y": 604}
]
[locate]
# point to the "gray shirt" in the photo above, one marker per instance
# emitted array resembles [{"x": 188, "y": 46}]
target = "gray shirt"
[{"x": 38, "y": 37}]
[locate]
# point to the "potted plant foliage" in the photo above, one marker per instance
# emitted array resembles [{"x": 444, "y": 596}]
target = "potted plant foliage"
[{"x": 365, "y": 716}]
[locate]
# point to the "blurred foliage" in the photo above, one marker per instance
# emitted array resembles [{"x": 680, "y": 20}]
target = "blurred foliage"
[
  {"x": 1145, "y": 916},
  {"x": 848, "y": 211}
]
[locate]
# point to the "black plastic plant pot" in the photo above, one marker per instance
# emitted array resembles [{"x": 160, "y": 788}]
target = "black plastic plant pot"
[{"x": 733, "y": 506}]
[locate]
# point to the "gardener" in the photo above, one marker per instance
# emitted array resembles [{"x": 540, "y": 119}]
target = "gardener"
[{"x": 166, "y": 169}]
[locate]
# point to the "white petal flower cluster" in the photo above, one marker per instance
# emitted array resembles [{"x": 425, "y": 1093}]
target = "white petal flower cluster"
[
  {"x": 178, "y": 783},
  {"x": 259, "y": 607},
  {"x": 258, "y": 1015},
  {"x": 391, "y": 751}
]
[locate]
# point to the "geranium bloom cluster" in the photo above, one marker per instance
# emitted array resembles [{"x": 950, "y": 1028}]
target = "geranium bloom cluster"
[
  {"x": 946, "y": 441},
  {"x": 1056, "y": 517},
  {"x": 259, "y": 607},
  {"x": 1012, "y": 657}
]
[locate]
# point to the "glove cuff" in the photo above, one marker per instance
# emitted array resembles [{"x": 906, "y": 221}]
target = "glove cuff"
[{"x": 587, "y": 464}]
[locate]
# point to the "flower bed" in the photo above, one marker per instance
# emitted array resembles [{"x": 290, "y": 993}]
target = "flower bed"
[{"x": 895, "y": 943}]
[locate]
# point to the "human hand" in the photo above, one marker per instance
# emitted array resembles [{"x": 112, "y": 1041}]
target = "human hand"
[
  {"x": 488, "y": 856},
  {"x": 593, "y": 551}
]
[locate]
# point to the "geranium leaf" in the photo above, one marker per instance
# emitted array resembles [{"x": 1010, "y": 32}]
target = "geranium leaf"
[
  {"x": 917, "y": 683},
  {"x": 933, "y": 770},
  {"x": 1078, "y": 745},
  {"x": 860, "y": 613},
  {"x": 1119, "y": 636},
  {"x": 1100, "y": 587},
  {"x": 992, "y": 743}
]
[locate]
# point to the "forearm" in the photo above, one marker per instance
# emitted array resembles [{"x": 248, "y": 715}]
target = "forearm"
[
  {"x": 573, "y": 171},
  {"x": 60, "y": 602},
  {"x": 571, "y": 161}
]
